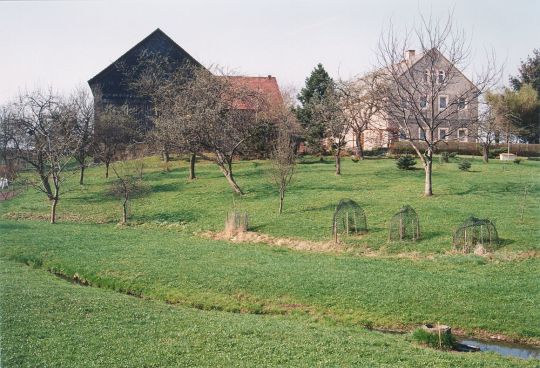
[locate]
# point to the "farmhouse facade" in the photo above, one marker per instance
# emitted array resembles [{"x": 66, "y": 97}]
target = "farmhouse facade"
[{"x": 457, "y": 102}]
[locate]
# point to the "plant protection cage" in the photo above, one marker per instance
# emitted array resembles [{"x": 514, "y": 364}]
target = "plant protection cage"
[
  {"x": 349, "y": 218},
  {"x": 236, "y": 222},
  {"x": 474, "y": 232},
  {"x": 404, "y": 225}
]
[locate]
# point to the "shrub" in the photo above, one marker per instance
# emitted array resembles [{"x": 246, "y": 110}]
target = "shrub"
[
  {"x": 495, "y": 152},
  {"x": 443, "y": 341},
  {"x": 464, "y": 165},
  {"x": 445, "y": 157},
  {"x": 406, "y": 162},
  {"x": 355, "y": 158},
  {"x": 452, "y": 154},
  {"x": 517, "y": 161}
]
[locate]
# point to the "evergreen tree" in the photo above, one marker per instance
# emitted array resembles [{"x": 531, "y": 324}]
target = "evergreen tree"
[
  {"x": 529, "y": 72},
  {"x": 526, "y": 83},
  {"x": 314, "y": 91}
]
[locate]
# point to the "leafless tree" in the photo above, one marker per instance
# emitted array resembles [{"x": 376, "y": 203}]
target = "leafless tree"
[
  {"x": 425, "y": 92},
  {"x": 127, "y": 184},
  {"x": 330, "y": 112},
  {"x": 159, "y": 81},
  {"x": 360, "y": 102},
  {"x": 217, "y": 114},
  {"x": 284, "y": 152},
  {"x": 44, "y": 137},
  {"x": 114, "y": 129},
  {"x": 487, "y": 129},
  {"x": 82, "y": 107}
]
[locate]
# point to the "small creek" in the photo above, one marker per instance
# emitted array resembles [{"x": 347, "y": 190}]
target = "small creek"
[
  {"x": 504, "y": 348},
  {"x": 465, "y": 345}
]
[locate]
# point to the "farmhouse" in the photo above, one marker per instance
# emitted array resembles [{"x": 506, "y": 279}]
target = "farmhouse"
[
  {"x": 438, "y": 87},
  {"x": 111, "y": 87}
]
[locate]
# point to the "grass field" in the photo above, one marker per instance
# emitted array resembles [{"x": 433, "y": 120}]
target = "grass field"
[{"x": 327, "y": 299}]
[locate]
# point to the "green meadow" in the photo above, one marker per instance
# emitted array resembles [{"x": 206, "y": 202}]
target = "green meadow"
[{"x": 160, "y": 293}]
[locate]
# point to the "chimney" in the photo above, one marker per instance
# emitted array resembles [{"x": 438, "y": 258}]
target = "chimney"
[
  {"x": 269, "y": 76},
  {"x": 409, "y": 55}
]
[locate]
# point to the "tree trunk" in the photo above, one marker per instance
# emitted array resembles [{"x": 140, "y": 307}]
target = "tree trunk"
[
  {"x": 281, "y": 200},
  {"x": 107, "y": 169},
  {"x": 81, "y": 177},
  {"x": 46, "y": 186},
  {"x": 192, "y": 159},
  {"x": 359, "y": 147},
  {"x": 428, "y": 168},
  {"x": 485, "y": 153},
  {"x": 338, "y": 162},
  {"x": 54, "y": 202},
  {"x": 227, "y": 171},
  {"x": 124, "y": 211},
  {"x": 166, "y": 156}
]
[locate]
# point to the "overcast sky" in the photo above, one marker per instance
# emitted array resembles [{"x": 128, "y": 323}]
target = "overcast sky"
[{"x": 65, "y": 43}]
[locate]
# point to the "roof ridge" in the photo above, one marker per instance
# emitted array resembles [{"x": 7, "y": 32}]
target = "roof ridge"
[{"x": 156, "y": 31}]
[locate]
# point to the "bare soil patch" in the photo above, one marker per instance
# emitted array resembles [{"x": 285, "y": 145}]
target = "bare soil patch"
[{"x": 291, "y": 243}]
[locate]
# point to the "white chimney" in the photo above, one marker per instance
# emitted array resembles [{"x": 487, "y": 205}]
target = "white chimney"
[{"x": 409, "y": 55}]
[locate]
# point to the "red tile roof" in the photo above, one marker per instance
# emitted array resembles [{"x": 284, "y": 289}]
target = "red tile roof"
[{"x": 267, "y": 86}]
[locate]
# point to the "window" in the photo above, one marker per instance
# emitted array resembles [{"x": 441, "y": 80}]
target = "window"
[
  {"x": 443, "y": 134},
  {"x": 461, "y": 103},
  {"x": 440, "y": 77},
  {"x": 426, "y": 76},
  {"x": 462, "y": 135},
  {"x": 443, "y": 102},
  {"x": 402, "y": 135},
  {"x": 423, "y": 102},
  {"x": 421, "y": 133}
]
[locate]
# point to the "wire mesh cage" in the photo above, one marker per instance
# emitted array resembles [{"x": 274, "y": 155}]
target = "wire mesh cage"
[
  {"x": 349, "y": 219},
  {"x": 476, "y": 232},
  {"x": 404, "y": 225}
]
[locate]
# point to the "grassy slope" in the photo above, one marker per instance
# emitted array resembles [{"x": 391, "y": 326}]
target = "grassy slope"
[
  {"x": 499, "y": 296},
  {"x": 48, "y": 322},
  {"x": 465, "y": 292},
  {"x": 494, "y": 191}
]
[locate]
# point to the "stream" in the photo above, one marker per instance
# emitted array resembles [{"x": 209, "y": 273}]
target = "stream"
[{"x": 504, "y": 348}]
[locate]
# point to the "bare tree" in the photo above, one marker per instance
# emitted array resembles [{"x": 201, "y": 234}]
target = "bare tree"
[
  {"x": 217, "y": 114},
  {"x": 128, "y": 183},
  {"x": 486, "y": 130},
  {"x": 426, "y": 98},
  {"x": 360, "y": 101},
  {"x": 114, "y": 129},
  {"x": 83, "y": 109},
  {"x": 329, "y": 111},
  {"x": 158, "y": 81},
  {"x": 44, "y": 138},
  {"x": 284, "y": 152}
]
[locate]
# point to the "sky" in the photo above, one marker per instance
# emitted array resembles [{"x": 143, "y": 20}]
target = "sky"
[{"x": 62, "y": 44}]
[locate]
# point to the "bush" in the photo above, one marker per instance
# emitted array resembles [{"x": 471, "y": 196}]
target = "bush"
[
  {"x": 452, "y": 154},
  {"x": 355, "y": 158},
  {"x": 444, "y": 342},
  {"x": 495, "y": 152},
  {"x": 405, "y": 162},
  {"x": 445, "y": 157},
  {"x": 517, "y": 161},
  {"x": 464, "y": 165}
]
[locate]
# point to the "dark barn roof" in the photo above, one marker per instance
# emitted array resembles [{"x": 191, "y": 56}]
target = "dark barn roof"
[{"x": 110, "y": 79}]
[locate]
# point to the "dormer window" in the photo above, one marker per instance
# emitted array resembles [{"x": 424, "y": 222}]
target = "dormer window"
[
  {"x": 461, "y": 103},
  {"x": 440, "y": 77}
]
